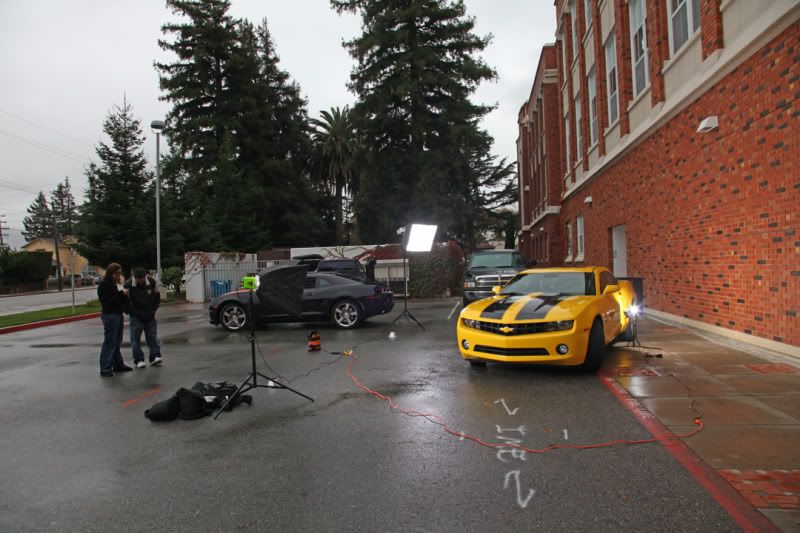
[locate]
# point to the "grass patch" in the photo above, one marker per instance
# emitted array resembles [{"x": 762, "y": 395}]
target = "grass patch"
[{"x": 47, "y": 314}]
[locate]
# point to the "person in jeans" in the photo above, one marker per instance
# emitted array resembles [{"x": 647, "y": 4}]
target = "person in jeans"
[
  {"x": 113, "y": 299},
  {"x": 144, "y": 300}
]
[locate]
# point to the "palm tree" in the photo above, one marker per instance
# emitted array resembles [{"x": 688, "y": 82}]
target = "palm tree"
[{"x": 336, "y": 147}]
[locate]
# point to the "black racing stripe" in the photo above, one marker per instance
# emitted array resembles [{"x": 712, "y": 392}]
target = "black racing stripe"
[
  {"x": 498, "y": 308},
  {"x": 539, "y": 307}
]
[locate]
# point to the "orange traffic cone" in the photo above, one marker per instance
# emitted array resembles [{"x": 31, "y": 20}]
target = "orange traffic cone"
[{"x": 314, "y": 343}]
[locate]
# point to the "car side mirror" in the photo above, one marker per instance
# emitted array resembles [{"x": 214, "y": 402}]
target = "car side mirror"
[
  {"x": 496, "y": 289},
  {"x": 610, "y": 288}
]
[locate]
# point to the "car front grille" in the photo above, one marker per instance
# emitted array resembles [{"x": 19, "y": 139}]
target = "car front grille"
[
  {"x": 519, "y": 352},
  {"x": 490, "y": 280},
  {"x": 510, "y": 329}
]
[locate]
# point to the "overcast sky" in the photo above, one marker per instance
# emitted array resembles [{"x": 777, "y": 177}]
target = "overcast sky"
[{"x": 65, "y": 64}]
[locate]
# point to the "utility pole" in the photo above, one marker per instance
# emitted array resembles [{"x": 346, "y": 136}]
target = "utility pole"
[
  {"x": 58, "y": 257},
  {"x": 3, "y": 230}
]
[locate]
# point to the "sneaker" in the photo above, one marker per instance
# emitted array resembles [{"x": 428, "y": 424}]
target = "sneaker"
[
  {"x": 140, "y": 364},
  {"x": 107, "y": 373},
  {"x": 156, "y": 362},
  {"x": 123, "y": 368}
]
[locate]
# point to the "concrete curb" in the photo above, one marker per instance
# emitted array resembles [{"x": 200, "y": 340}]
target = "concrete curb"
[{"x": 51, "y": 322}]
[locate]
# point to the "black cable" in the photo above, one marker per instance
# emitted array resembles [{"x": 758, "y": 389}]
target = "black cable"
[{"x": 258, "y": 346}]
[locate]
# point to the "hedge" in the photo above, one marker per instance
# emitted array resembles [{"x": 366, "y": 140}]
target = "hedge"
[{"x": 24, "y": 267}]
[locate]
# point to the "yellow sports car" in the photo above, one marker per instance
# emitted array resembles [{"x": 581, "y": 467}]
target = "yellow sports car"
[{"x": 555, "y": 316}]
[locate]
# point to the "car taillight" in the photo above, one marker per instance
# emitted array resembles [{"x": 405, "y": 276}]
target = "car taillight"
[{"x": 380, "y": 289}]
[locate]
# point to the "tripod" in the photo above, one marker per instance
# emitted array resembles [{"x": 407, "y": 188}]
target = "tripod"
[
  {"x": 252, "y": 380},
  {"x": 405, "y": 313},
  {"x": 635, "y": 343}
]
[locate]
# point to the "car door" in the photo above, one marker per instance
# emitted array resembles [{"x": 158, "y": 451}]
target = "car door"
[
  {"x": 610, "y": 307},
  {"x": 310, "y": 298}
]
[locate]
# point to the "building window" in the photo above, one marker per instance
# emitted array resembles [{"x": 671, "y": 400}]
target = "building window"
[
  {"x": 611, "y": 77},
  {"x": 638, "y": 21},
  {"x": 579, "y": 228},
  {"x": 592, "y": 107},
  {"x": 684, "y": 21},
  {"x": 578, "y": 128},
  {"x": 564, "y": 57},
  {"x": 575, "y": 41},
  {"x": 569, "y": 241},
  {"x": 587, "y": 11}
]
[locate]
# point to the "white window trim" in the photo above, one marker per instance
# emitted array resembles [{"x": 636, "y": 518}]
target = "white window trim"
[
  {"x": 588, "y": 18},
  {"x": 568, "y": 151},
  {"x": 568, "y": 258},
  {"x": 611, "y": 36},
  {"x": 581, "y": 238},
  {"x": 575, "y": 38},
  {"x": 645, "y": 49},
  {"x": 594, "y": 123},
  {"x": 578, "y": 130},
  {"x": 692, "y": 33}
]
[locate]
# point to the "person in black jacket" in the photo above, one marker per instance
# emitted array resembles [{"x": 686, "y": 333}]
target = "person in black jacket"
[
  {"x": 113, "y": 299},
  {"x": 144, "y": 299}
]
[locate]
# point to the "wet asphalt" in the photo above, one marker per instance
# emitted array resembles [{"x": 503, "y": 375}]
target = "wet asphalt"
[{"x": 77, "y": 453}]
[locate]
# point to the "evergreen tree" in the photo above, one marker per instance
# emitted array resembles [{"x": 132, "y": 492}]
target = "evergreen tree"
[
  {"x": 417, "y": 66},
  {"x": 238, "y": 133},
  {"x": 39, "y": 222},
  {"x": 117, "y": 223},
  {"x": 64, "y": 208}
]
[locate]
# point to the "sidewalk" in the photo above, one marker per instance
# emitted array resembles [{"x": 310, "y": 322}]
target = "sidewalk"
[{"x": 749, "y": 400}]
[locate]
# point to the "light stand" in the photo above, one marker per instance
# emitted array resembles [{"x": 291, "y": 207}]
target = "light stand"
[
  {"x": 252, "y": 380},
  {"x": 405, "y": 313},
  {"x": 635, "y": 343}
]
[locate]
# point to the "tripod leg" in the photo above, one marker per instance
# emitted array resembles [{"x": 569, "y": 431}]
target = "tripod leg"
[
  {"x": 390, "y": 324},
  {"x": 241, "y": 389},
  {"x": 409, "y": 315},
  {"x": 279, "y": 385}
]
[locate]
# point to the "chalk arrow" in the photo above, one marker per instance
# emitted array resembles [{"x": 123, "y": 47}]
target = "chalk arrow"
[{"x": 523, "y": 502}]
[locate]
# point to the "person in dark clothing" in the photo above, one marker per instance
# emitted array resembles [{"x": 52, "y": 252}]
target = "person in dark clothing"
[
  {"x": 113, "y": 299},
  {"x": 144, "y": 299},
  {"x": 371, "y": 269}
]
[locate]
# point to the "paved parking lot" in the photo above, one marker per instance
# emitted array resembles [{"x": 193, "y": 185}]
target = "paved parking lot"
[{"x": 78, "y": 454}]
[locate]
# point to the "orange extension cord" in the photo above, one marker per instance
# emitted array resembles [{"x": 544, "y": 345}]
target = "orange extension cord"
[{"x": 440, "y": 421}]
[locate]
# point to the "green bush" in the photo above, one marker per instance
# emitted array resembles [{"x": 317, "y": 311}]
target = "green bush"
[
  {"x": 24, "y": 267},
  {"x": 436, "y": 273},
  {"x": 171, "y": 277}
]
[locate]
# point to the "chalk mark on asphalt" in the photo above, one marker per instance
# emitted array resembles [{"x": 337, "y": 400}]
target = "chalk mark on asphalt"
[
  {"x": 522, "y": 502},
  {"x": 509, "y": 411}
]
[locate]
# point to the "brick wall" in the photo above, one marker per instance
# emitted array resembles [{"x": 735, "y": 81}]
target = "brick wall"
[{"x": 712, "y": 219}]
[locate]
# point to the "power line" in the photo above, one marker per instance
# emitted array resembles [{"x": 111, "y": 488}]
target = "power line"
[
  {"x": 43, "y": 127},
  {"x": 45, "y": 147}
]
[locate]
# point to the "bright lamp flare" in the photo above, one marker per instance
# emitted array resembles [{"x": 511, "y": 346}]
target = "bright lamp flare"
[
  {"x": 420, "y": 238},
  {"x": 634, "y": 310}
]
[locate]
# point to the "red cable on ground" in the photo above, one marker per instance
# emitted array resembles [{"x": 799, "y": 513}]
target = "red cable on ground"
[{"x": 440, "y": 421}]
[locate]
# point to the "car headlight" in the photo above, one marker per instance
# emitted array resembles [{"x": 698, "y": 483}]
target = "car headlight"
[
  {"x": 561, "y": 325},
  {"x": 469, "y": 323},
  {"x": 469, "y": 284}
]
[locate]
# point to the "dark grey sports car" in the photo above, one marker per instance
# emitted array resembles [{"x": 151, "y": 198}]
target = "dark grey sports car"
[{"x": 326, "y": 297}]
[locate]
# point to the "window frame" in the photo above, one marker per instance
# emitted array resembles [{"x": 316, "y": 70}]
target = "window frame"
[
  {"x": 644, "y": 59},
  {"x": 578, "y": 129},
  {"x": 569, "y": 241},
  {"x": 594, "y": 133},
  {"x": 612, "y": 71},
  {"x": 692, "y": 22},
  {"x": 575, "y": 39},
  {"x": 580, "y": 233},
  {"x": 587, "y": 14},
  {"x": 568, "y": 151}
]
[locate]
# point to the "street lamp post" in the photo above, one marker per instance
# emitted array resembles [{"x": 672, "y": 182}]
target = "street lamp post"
[{"x": 157, "y": 126}]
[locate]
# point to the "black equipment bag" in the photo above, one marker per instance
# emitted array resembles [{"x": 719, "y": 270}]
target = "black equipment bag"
[
  {"x": 192, "y": 405},
  {"x": 163, "y": 411}
]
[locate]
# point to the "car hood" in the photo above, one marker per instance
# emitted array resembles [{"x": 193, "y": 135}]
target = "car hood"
[{"x": 533, "y": 307}]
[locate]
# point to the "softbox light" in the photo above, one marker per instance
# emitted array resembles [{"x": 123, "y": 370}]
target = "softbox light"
[
  {"x": 420, "y": 237},
  {"x": 281, "y": 287}
]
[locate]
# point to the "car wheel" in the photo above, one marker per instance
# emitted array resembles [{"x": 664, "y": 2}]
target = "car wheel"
[
  {"x": 596, "y": 350},
  {"x": 346, "y": 314},
  {"x": 233, "y": 317}
]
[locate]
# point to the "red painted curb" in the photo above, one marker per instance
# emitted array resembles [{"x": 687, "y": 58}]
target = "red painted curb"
[
  {"x": 51, "y": 322},
  {"x": 745, "y": 515}
]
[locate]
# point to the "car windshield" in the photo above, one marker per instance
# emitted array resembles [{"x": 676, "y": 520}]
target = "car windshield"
[
  {"x": 498, "y": 260},
  {"x": 572, "y": 283}
]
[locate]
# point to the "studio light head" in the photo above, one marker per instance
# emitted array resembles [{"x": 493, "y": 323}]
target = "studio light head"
[
  {"x": 633, "y": 311},
  {"x": 420, "y": 238},
  {"x": 250, "y": 282}
]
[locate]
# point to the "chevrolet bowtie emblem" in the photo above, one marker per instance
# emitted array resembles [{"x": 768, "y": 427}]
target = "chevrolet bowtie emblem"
[{"x": 506, "y": 329}]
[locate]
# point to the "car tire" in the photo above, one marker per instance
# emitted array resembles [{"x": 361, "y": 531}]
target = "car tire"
[
  {"x": 233, "y": 317},
  {"x": 346, "y": 314},
  {"x": 596, "y": 349}
]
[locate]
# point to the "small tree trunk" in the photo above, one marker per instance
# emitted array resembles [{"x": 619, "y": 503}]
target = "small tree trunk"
[{"x": 338, "y": 214}]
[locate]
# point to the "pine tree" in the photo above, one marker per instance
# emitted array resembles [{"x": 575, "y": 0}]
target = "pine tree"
[
  {"x": 39, "y": 222},
  {"x": 117, "y": 224},
  {"x": 417, "y": 66},
  {"x": 64, "y": 208}
]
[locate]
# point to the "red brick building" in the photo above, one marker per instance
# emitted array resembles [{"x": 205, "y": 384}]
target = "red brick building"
[{"x": 679, "y": 156}]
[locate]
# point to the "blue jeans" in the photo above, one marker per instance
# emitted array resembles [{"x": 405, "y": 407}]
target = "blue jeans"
[
  {"x": 150, "y": 336},
  {"x": 110, "y": 355}
]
